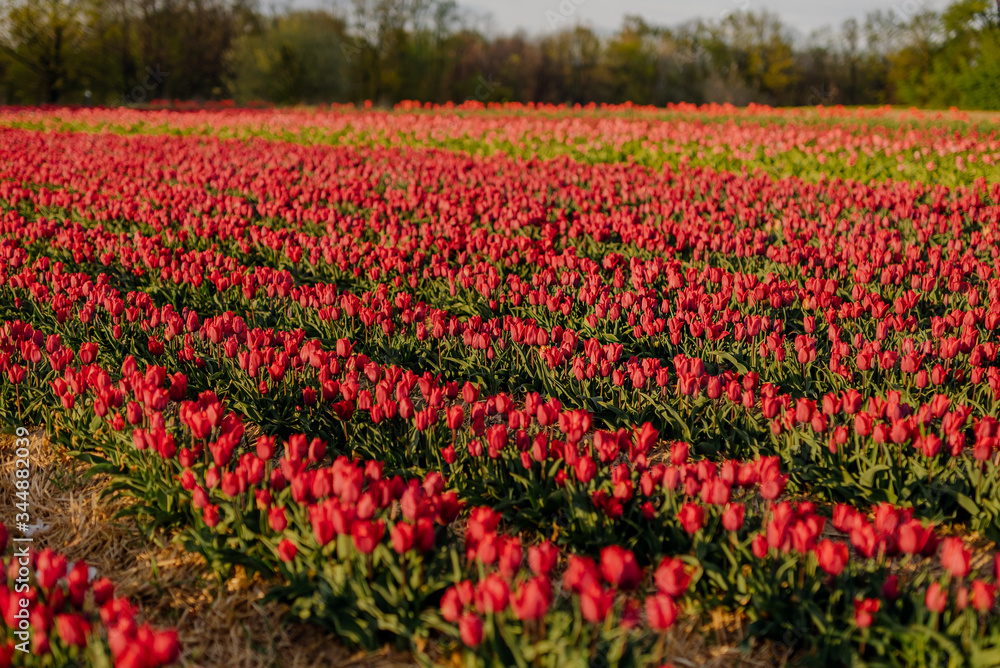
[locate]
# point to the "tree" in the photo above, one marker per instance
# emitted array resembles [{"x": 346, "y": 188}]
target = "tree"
[
  {"x": 634, "y": 60},
  {"x": 753, "y": 50},
  {"x": 972, "y": 50},
  {"x": 295, "y": 59},
  {"x": 189, "y": 40},
  {"x": 43, "y": 41},
  {"x": 950, "y": 59}
]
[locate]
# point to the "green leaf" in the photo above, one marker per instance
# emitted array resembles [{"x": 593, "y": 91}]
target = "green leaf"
[
  {"x": 729, "y": 357},
  {"x": 968, "y": 504},
  {"x": 868, "y": 477}
]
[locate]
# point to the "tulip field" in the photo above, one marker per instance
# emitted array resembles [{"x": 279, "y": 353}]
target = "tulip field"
[{"x": 519, "y": 386}]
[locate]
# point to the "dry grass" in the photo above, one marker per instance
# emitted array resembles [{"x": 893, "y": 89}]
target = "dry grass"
[{"x": 228, "y": 625}]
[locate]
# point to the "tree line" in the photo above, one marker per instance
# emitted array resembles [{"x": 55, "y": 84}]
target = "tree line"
[{"x": 133, "y": 52}]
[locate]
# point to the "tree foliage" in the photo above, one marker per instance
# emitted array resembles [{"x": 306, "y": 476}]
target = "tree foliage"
[{"x": 134, "y": 51}]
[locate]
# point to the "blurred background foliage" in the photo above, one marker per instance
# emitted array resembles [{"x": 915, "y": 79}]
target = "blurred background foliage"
[{"x": 137, "y": 51}]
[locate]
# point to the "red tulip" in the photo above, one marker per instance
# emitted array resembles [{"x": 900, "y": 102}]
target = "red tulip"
[
  {"x": 671, "y": 577},
  {"x": 890, "y": 588},
  {"x": 470, "y": 628},
  {"x": 936, "y": 598},
  {"x": 265, "y": 447},
  {"x": 509, "y": 560},
  {"x": 864, "y": 611},
  {"x": 166, "y": 648},
  {"x": 403, "y": 536},
  {"x": 50, "y": 567},
  {"x": 211, "y": 515},
  {"x": 595, "y": 603},
  {"x": 954, "y": 557},
  {"x": 532, "y": 600},
  {"x": 691, "y": 516},
  {"x": 832, "y": 556},
  {"x": 455, "y": 416},
  {"x": 661, "y": 612},
  {"x": 491, "y": 594},
  {"x": 366, "y": 535},
  {"x": 287, "y": 550},
  {"x": 73, "y": 629},
  {"x": 451, "y": 605},
  {"x": 759, "y": 546},
  {"x": 913, "y": 537},
  {"x": 103, "y": 591},
  {"x": 619, "y": 567},
  {"x": 982, "y": 595},
  {"x": 542, "y": 557},
  {"x": 585, "y": 470}
]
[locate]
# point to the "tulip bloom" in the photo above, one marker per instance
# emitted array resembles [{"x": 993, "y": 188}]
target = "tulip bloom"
[
  {"x": 287, "y": 550},
  {"x": 470, "y": 629},
  {"x": 832, "y": 556},
  {"x": 954, "y": 557},
  {"x": 73, "y": 629},
  {"x": 937, "y": 598},
  {"x": 595, "y": 603},
  {"x": 533, "y": 599},
  {"x": 619, "y": 567},
  {"x": 366, "y": 535},
  {"x": 661, "y": 612},
  {"x": 671, "y": 577},
  {"x": 864, "y": 611},
  {"x": 982, "y": 595},
  {"x": 691, "y": 517},
  {"x": 542, "y": 557}
]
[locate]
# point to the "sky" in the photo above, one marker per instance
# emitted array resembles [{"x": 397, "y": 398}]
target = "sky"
[{"x": 540, "y": 16}]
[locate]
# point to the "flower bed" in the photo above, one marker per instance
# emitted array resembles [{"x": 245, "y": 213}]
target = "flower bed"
[{"x": 529, "y": 411}]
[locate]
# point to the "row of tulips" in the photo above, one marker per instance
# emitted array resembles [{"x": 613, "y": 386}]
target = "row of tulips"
[
  {"x": 863, "y": 145},
  {"x": 690, "y": 372},
  {"x": 379, "y": 538},
  {"x": 57, "y": 613}
]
